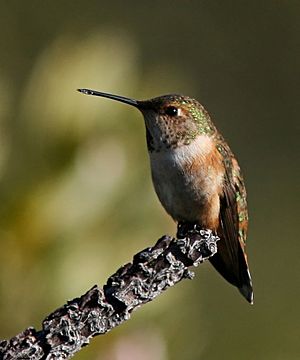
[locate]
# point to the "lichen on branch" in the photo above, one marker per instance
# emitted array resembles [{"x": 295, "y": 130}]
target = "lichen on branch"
[{"x": 153, "y": 270}]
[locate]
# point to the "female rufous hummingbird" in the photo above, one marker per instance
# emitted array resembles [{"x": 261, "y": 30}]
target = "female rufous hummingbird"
[{"x": 196, "y": 177}]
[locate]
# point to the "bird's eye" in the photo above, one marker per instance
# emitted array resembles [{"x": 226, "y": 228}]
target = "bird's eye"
[{"x": 171, "y": 111}]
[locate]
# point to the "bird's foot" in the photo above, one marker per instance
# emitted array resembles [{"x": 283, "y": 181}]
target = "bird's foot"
[{"x": 185, "y": 229}]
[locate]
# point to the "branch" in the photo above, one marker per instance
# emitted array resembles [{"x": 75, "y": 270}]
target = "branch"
[{"x": 153, "y": 270}]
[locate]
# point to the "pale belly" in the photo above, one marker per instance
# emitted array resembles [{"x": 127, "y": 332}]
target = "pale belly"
[{"x": 187, "y": 187}]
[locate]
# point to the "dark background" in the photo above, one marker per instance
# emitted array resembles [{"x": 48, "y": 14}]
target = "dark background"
[{"x": 76, "y": 199}]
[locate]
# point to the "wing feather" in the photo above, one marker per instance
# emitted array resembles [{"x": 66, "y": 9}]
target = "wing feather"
[{"x": 231, "y": 259}]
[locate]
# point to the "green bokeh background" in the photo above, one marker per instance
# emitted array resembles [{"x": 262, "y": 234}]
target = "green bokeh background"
[{"x": 76, "y": 199}]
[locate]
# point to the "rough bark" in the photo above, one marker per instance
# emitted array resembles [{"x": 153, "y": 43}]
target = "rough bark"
[{"x": 153, "y": 270}]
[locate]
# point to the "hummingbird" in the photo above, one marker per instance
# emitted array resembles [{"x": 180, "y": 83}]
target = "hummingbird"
[{"x": 196, "y": 177}]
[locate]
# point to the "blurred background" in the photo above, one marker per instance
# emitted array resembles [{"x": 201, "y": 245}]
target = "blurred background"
[{"x": 76, "y": 199}]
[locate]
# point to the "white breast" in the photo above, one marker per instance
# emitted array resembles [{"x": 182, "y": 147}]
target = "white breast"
[{"x": 181, "y": 186}]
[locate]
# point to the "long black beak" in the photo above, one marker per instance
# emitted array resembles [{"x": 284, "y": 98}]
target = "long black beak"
[{"x": 122, "y": 99}]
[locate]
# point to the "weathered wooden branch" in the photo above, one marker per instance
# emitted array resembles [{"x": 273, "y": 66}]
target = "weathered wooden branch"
[{"x": 153, "y": 270}]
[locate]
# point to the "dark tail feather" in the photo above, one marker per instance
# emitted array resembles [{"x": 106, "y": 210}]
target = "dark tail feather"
[
  {"x": 236, "y": 273},
  {"x": 247, "y": 291}
]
